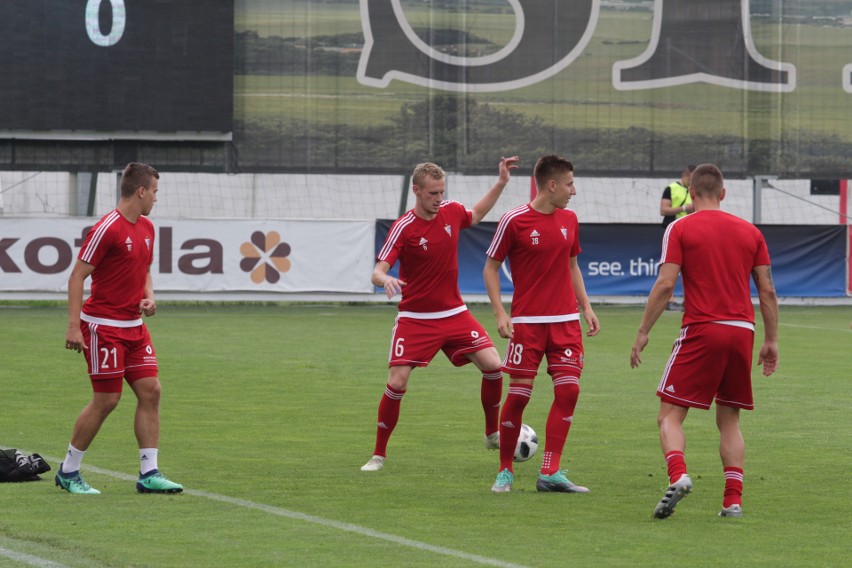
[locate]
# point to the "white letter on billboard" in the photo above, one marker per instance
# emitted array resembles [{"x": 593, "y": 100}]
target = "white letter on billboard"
[
  {"x": 548, "y": 37},
  {"x": 93, "y": 26},
  {"x": 694, "y": 41}
]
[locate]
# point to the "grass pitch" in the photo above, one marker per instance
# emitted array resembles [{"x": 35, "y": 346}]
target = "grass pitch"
[{"x": 268, "y": 412}]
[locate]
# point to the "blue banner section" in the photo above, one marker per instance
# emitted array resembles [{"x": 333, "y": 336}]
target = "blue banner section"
[
  {"x": 807, "y": 260},
  {"x": 621, "y": 260}
]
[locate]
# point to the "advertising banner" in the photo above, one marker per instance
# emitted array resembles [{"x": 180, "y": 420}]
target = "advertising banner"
[
  {"x": 203, "y": 255},
  {"x": 807, "y": 260},
  {"x": 622, "y": 87},
  {"x": 622, "y": 260}
]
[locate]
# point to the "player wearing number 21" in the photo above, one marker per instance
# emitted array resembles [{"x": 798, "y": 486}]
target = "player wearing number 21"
[
  {"x": 541, "y": 242},
  {"x": 432, "y": 315},
  {"x": 108, "y": 329}
]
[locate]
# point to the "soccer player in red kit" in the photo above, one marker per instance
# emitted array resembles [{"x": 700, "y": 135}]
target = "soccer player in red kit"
[
  {"x": 432, "y": 315},
  {"x": 108, "y": 329},
  {"x": 541, "y": 241},
  {"x": 716, "y": 253}
]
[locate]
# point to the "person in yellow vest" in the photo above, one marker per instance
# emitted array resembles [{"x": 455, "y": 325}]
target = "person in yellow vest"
[{"x": 676, "y": 202}]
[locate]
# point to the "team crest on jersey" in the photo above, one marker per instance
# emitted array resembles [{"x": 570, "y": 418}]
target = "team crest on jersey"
[
  {"x": 129, "y": 244},
  {"x": 148, "y": 243},
  {"x": 564, "y": 233},
  {"x": 423, "y": 242},
  {"x": 449, "y": 230}
]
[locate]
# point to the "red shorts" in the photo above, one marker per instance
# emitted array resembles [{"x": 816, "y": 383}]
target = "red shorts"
[
  {"x": 561, "y": 342},
  {"x": 117, "y": 352},
  {"x": 709, "y": 361},
  {"x": 415, "y": 342}
]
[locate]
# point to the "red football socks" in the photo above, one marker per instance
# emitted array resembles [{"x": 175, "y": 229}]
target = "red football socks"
[
  {"x": 388, "y": 417},
  {"x": 733, "y": 487},
  {"x": 676, "y": 465},
  {"x": 491, "y": 394},
  {"x": 566, "y": 391},
  {"x": 511, "y": 417}
]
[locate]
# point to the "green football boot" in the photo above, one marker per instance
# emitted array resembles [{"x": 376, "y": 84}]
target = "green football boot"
[
  {"x": 73, "y": 483},
  {"x": 156, "y": 482}
]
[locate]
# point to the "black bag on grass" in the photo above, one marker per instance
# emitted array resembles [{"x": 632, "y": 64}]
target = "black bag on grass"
[{"x": 15, "y": 466}]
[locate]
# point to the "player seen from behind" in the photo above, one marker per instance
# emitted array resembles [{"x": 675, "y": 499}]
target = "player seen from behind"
[{"x": 717, "y": 255}]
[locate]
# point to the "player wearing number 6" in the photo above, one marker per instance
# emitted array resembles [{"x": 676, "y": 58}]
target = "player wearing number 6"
[
  {"x": 541, "y": 242},
  {"x": 432, "y": 315},
  {"x": 108, "y": 329}
]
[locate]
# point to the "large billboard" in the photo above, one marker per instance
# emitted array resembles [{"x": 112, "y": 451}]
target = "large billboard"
[
  {"x": 116, "y": 69},
  {"x": 622, "y": 87}
]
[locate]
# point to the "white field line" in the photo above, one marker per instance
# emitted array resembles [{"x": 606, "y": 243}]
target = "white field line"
[
  {"x": 820, "y": 328},
  {"x": 29, "y": 559},
  {"x": 328, "y": 523}
]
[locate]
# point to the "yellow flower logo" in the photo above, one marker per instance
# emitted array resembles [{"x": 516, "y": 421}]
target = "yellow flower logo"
[{"x": 265, "y": 257}]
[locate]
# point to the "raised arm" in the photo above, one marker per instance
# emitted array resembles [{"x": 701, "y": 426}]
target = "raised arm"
[{"x": 484, "y": 205}]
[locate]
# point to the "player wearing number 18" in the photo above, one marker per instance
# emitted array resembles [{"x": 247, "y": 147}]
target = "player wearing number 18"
[
  {"x": 541, "y": 241},
  {"x": 432, "y": 315}
]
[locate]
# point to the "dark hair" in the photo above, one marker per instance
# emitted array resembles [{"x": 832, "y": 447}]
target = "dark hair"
[
  {"x": 547, "y": 167},
  {"x": 136, "y": 175},
  {"x": 707, "y": 180}
]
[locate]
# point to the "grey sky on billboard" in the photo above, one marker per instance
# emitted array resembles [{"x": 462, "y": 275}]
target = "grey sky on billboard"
[
  {"x": 546, "y": 40},
  {"x": 693, "y": 41}
]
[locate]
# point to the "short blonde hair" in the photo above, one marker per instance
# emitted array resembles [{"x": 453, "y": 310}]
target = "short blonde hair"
[{"x": 424, "y": 170}]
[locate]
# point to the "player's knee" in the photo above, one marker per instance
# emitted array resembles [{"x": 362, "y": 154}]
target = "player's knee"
[
  {"x": 566, "y": 387},
  {"x": 490, "y": 359},
  {"x": 148, "y": 390},
  {"x": 520, "y": 391},
  {"x": 105, "y": 402}
]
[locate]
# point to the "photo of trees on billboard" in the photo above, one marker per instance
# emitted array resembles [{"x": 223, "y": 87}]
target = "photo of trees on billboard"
[{"x": 623, "y": 87}]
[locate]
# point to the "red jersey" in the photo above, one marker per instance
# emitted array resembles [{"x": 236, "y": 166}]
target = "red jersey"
[
  {"x": 121, "y": 253},
  {"x": 717, "y": 252},
  {"x": 539, "y": 249},
  {"x": 428, "y": 258}
]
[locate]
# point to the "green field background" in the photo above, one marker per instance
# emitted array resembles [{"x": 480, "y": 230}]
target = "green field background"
[{"x": 269, "y": 410}]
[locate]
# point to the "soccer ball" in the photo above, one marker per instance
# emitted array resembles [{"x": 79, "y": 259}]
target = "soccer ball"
[{"x": 527, "y": 444}]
